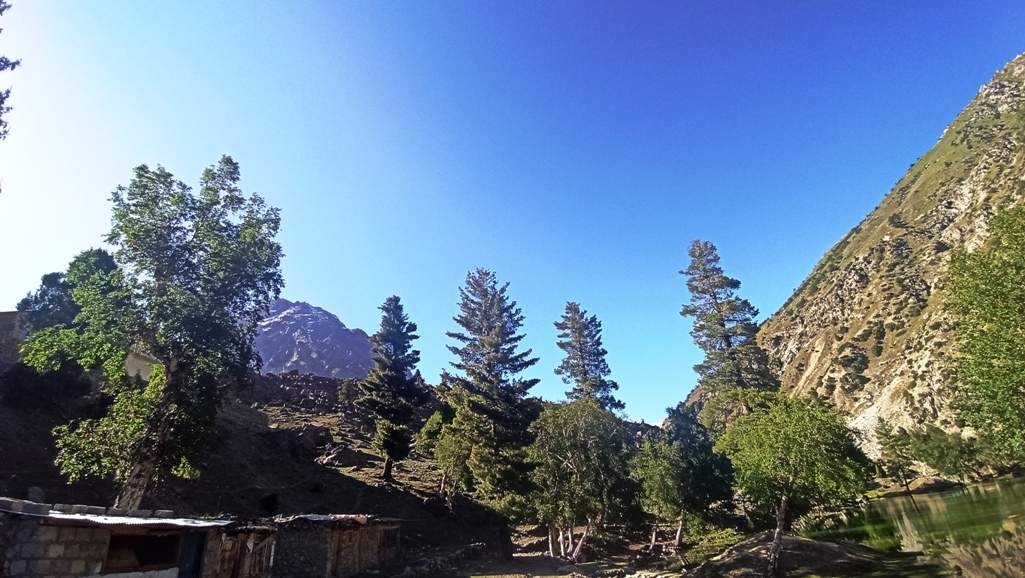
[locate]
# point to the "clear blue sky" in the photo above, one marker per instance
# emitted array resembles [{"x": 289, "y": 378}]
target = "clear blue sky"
[{"x": 574, "y": 147}]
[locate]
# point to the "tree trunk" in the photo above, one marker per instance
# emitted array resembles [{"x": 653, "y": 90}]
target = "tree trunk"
[
  {"x": 134, "y": 488},
  {"x": 904, "y": 480},
  {"x": 654, "y": 535},
  {"x": 679, "y": 532},
  {"x": 386, "y": 474},
  {"x": 562, "y": 543},
  {"x": 776, "y": 552},
  {"x": 551, "y": 540},
  {"x": 152, "y": 448},
  {"x": 441, "y": 486},
  {"x": 580, "y": 542},
  {"x": 569, "y": 539}
]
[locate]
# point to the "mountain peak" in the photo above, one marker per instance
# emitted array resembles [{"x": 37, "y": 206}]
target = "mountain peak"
[{"x": 298, "y": 336}]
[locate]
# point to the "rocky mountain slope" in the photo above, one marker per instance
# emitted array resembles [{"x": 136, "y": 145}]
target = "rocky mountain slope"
[
  {"x": 866, "y": 330},
  {"x": 297, "y": 336}
]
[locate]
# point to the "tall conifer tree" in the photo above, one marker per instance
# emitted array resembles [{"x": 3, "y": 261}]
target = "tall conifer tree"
[
  {"x": 724, "y": 328},
  {"x": 584, "y": 365},
  {"x": 488, "y": 396},
  {"x": 393, "y": 388}
]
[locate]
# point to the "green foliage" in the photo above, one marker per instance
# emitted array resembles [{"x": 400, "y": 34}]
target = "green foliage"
[
  {"x": 5, "y": 64},
  {"x": 708, "y": 476},
  {"x": 798, "y": 449},
  {"x": 660, "y": 469},
  {"x": 52, "y": 304},
  {"x": 197, "y": 271},
  {"x": 393, "y": 388},
  {"x": 729, "y": 403},
  {"x": 986, "y": 294},
  {"x": 392, "y": 440},
  {"x": 949, "y": 454},
  {"x": 897, "y": 458},
  {"x": 584, "y": 365},
  {"x": 427, "y": 437},
  {"x": 107, "y": 446},
  {"x": 579, "y": 458},
  {"x": 488, "y": 397},
  {"x": 724, "y": 329}
]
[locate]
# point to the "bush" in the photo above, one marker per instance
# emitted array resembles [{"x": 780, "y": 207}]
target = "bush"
[{"x": 24, "y": 388}]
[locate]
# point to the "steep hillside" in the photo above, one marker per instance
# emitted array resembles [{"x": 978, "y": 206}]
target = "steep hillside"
[
  {"x": 297, "y": 336},
  {"x": 290, "y": 444},
  {"x": 866, "y": 330}
]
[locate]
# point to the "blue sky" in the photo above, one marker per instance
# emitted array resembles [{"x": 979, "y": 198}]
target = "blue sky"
[{"x": 574, "y": 147}]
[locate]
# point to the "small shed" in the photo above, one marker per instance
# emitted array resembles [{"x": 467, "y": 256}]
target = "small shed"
[
  {"x": 334, "y": 545},
  {"x": 64, "y": 541}
]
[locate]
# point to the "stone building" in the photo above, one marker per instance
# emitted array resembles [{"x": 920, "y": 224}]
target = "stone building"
[
  {"x": 60, "y": 541},
  {"x": 333, "y": 546}
]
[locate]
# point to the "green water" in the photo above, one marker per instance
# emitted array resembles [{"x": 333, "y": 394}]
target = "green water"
[{"x": 975, "y": 533}]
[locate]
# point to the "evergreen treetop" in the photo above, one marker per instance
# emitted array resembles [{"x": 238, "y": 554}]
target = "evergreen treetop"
[
  {"x": 584, "y": 365},
  {"x": 724, "y": 325}
]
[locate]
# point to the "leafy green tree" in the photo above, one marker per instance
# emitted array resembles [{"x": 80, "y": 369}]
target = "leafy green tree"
[
  {"x": 393, "y": 388},
  {"x": 679, "y": 473},
  {"x": 724, "y": 329},
  {"x": 798, "y": 454},
  {"x": 197, "y": 272},
  {"x": 52, "y": 304},
  {"x": 947, "y": 453},
  {"x": 579, "y": 463},
  {"x": 491, "y": 411},
  {"x": 986, "y": 294},
  {"x": 896, "y": 455},
  {"x": 5, "y": 65},
  {"x": 584, "y": 365}
]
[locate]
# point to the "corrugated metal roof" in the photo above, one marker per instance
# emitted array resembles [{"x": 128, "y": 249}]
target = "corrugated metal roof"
[{"x": 152, "y": 523}]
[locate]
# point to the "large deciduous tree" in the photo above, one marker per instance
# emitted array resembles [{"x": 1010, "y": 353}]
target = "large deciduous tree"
[
  {"x": 986, "y": 294},
  {"x": 483, "y": 445},
  {"x": 393, "y": 388},
  {"x": 5, "y": 64},
  {"x": 724, "y": 329},
  {"x": 584, "y": 364},
  {"x": 579, "y": 465},
  {"x": 679, "y": 473},
  {"x": 796, "y": 455},
  {"x": 198, "y": 270}
]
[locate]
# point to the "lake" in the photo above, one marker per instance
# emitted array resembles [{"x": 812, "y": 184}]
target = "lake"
[{"x": 975, "y": 533}]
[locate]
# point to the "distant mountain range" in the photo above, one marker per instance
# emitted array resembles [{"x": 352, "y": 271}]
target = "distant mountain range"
[{"x": 297, "y": 336}]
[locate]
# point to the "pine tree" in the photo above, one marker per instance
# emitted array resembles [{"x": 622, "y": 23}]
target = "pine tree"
[
  {"x": 488, "y": 396},
  {"x": 584, "y": 365},
  {"x": 393, "y": 388},
  {"x": 724, "y": 328}
]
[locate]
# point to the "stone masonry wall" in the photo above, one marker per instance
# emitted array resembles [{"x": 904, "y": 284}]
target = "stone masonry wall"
[
  {"x": 31, "y": 549},
  {"x": 301, "y": 551}
]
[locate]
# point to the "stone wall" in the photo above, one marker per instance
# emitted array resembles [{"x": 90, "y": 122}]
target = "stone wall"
[
  {"x": 333, "y": 549},
  {"x": 301, "y": 550},
  {"x": 31, "y": 549}
]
